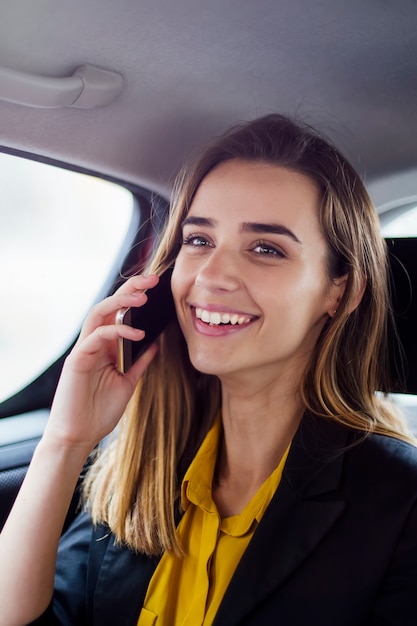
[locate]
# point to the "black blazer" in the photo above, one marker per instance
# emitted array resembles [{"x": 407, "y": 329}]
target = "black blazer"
[{"x": 337, "y": 546}]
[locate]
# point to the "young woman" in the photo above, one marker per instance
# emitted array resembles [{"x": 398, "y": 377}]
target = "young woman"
[{"x": 257, "y": 478}]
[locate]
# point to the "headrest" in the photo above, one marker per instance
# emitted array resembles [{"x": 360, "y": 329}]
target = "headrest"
[{"x": 402, "y": 254}]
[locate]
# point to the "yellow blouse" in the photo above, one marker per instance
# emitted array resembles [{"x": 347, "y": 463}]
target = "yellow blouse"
[{"x": 188, "y": 591}]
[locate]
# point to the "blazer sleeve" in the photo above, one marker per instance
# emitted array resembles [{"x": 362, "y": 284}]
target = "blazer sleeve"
[{"x": 396, "y": 602}]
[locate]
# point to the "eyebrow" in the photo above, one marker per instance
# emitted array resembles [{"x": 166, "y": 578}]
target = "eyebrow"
[
  {"x": 198, "y": 221},
  {"x": 251, "y": 227},
  {"x": 274, "y": 229}
]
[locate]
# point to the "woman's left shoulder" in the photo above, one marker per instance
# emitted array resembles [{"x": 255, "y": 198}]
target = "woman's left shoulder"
[
  {"x": 391, "y": 449},
  {"x": 385, "y": 460}
]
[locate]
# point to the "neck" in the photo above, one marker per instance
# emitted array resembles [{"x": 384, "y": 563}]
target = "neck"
[{"x": 259, "y": 423}]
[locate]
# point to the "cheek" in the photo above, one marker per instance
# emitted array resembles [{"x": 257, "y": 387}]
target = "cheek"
[
  {"x": 176, "y": 283},
  {"x": 180, "y": 284},
  {"x": 298, "y": 298}
]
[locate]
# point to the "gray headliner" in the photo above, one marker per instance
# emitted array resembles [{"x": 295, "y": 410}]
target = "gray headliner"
[{"x": 192, "y": 67}]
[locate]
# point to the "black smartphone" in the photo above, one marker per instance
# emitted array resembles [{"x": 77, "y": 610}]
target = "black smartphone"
[{"x": 153, "y": 317}]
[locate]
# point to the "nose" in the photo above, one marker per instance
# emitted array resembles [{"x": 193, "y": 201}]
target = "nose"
[{"x": 219, "y": 271}]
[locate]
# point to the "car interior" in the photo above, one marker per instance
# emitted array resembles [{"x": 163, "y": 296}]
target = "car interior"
[{"x": 101, "y": 102}]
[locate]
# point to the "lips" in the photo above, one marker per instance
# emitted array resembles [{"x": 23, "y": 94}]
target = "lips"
[{"x": 222, "y": 318}]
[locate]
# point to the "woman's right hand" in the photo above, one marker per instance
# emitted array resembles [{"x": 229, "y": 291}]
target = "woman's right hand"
[{"x": 92, "y": 394}]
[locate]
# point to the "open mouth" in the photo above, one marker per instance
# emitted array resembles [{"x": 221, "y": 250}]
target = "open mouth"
[{"x": 217, "y": 318}]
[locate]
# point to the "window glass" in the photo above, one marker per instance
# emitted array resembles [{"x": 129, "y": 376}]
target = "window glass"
[
  {"x": 61, "y": 234},
  {"x": 408, "y": 405}
]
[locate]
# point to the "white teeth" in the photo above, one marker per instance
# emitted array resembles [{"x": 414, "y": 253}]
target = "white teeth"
[
  {"x": 215, "y": 318},
  {"x": 204, "y": 316}
]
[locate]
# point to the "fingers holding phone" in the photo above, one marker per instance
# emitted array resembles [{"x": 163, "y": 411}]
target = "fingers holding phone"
[
  {"x": 92, "y": 394},
  {"x": 131, "y": 294}
]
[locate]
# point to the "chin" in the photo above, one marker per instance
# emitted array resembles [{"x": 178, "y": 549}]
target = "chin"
[
  {"x": 207, "y": 364},
  {"x": 207, "y": 368}
]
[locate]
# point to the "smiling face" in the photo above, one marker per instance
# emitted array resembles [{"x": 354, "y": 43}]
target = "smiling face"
[{"x": 250, "y": 282}]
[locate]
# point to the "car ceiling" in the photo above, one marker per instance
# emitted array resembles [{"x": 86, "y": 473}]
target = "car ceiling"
[{"x": 192, "y": 67}]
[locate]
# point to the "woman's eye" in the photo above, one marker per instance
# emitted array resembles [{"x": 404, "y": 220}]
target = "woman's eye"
[
  {"x": 196, "y": 241},
  {"x": 265, "y": 249}
]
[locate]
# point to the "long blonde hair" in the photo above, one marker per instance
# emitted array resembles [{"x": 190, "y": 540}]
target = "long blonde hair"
[{"x": 134, "y": 485}]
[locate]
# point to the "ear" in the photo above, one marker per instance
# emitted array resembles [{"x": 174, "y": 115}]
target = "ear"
[
  {"x": 356, "y": 300},
  {"x": 336, "y": 294},
  {"x": 337, "y": 291}
]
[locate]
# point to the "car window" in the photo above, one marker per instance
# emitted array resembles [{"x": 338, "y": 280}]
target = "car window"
[
  {"x": 401, "y": 221},
  {"x": 61, "y": 233}
]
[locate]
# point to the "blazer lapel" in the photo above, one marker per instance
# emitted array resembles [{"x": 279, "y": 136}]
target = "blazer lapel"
[
  {"x": 295, "y": 521},
  {"x": 121, "y": 586}
]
